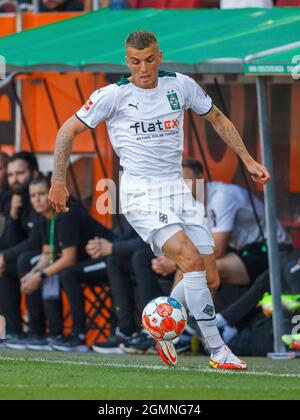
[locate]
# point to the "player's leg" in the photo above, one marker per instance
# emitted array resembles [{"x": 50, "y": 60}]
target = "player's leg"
[
  {"x": 212, "y": 277},
  {"x": 198, "y": 297}
]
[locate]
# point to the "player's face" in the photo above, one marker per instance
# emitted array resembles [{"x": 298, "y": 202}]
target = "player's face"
[{"x": 144, "y": 65}]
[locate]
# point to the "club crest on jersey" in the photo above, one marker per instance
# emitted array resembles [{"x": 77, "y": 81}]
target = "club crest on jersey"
[
  {"x": 88, "y": 105},
  {"x": 173, "y": 100}
]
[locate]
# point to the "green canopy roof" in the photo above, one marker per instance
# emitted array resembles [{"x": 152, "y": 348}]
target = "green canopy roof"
[{"x": 194, "y": 41}]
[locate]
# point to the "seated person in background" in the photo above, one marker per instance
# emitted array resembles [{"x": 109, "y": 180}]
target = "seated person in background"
[
  {"x": 61, "y": 6},
  {"x": 240, "y": 250},
  {"x": 64, "y": 260},
  {"x": 19, "y": 235},
  {"x": 239, "y": 243}
]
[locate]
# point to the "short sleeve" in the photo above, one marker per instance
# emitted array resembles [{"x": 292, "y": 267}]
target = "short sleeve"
[
  {"x": 99, "y": 107},
  {"x": 195, "y": 97},
  {"x": 221, "y": 213},
  {"x": 68, "y": 230}
]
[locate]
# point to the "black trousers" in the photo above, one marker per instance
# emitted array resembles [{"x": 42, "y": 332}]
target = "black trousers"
[
  {"x": 133, "y": 284},
  {"x": 10, "y": 299},
  {"x": 122, "y": 288},
  {"x": 43, "y": 315},
  {"x": 88, "y": 273},
  {"x": 245, "y": 306},
  {"x": 148, "y": 282},
  {"x": 38, "y": 310}
]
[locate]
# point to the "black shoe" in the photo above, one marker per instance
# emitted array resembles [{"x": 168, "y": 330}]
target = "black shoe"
[
  {"x": 72, "y": 342},
  {"x": 17, "y": 341},
  {"x": 3, "y": 341},
  {"x": 112, "y": 344},
  {"x": 140, "y": 344},
  {"x": 38, "y": 343},
  {"x": 2, "y": 344},
  {"x": 51, "y": 338}
]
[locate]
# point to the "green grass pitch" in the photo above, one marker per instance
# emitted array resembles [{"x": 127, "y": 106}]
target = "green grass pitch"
[{"x": 36, "y": 375}]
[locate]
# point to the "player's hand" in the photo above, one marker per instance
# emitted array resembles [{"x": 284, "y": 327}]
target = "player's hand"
[
  {"x": 258, "y": 172},
  {"x": 58, "y": 196}
]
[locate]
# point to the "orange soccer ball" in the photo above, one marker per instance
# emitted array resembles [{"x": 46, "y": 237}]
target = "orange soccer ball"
[{"x": 164, "y": 318}]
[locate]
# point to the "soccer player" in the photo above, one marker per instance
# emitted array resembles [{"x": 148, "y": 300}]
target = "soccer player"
[{"x": 144, "y": 117}]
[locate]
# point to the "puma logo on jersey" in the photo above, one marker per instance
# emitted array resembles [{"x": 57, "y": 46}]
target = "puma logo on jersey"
[{"x": 134, "y": 106}]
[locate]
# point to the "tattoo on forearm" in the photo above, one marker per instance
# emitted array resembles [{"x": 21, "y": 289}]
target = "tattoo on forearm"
[
  {"x": 230, "y": 135},
  {"x": 62, "y": 153}
]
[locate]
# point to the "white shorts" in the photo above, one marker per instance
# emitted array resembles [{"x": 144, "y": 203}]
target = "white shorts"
[{"x": 157, "y": 210}]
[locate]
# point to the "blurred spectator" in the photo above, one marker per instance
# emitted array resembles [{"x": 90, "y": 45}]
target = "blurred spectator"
[
  {"x": 240, "y": 4},
  {"x": 19, "y": 235},
  {"x": 61, "y": 6},
  {"x": 44, "y": 310},
  {"x": 64, "y": 261}
]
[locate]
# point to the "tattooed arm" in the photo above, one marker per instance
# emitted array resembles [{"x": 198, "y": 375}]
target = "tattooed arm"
[
  {"x": 230, "y": 135},
  {"x": 58, "y": 194}
]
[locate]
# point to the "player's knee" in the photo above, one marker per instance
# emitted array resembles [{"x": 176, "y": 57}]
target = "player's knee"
[{"x": 192, "y": 262}]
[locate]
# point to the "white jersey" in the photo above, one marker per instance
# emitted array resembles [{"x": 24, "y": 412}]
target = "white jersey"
[
  {"x": 229, "y": 210},
  {"x": 240, "y": 4},
  {"x": 145, "y": 126}
]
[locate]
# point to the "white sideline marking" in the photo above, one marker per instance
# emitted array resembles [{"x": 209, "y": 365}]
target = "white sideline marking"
[{"x": 133, "y": 366}]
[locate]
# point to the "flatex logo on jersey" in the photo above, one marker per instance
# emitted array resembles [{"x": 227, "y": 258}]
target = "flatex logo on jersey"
[{"x": 142, "y": 127}]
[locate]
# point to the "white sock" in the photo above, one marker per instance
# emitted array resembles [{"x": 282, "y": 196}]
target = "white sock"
[
  {"x": 178, "y": 293},
  {"x": 200, "y": 303}
]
